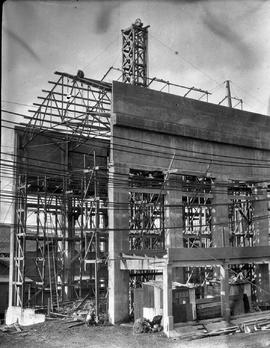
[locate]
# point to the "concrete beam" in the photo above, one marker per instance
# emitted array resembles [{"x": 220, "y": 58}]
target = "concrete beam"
[
  {"x": 138, "y": 148},
  {"x": 144, "y": 264},
  {"x": 217, "y": 256},
  {"x": 162, "y": 112}
]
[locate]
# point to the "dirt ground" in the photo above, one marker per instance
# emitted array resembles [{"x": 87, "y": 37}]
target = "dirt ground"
[{"x": 56, "y": 333}]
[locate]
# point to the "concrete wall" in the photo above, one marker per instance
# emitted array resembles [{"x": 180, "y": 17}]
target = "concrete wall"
[
  {"x": 151, "y": 128},
  {"x": 4, "y": 237},
  {"x": 51, "y": 152},
  {"x": 171, "y": 114},
  {"x": 3, "y": 297}
]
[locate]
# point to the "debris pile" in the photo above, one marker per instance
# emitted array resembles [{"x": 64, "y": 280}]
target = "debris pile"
[
  {"x": 143, "y": 325},
  {"x": 241, "y": 324},
  {"x": 255, "y": 325},
  {"x": 13, "y": 329},
  {"x": 80, "y": 312}
]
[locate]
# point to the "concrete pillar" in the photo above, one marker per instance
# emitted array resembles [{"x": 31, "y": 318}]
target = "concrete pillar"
[
  {"x": 225, "y": 292},
  {"x": 157, "y": 302},
  {"x": 261, "y": 236},
  {"x": 174, "y": 221},
  {"x": 118, "y": 242},
  {"x": 173, "y": 214},
  {"x": 167, "y": 299},
  {"x": 220, "y": 216},
  {"x": 192, "y": 300},
  {"x": 220, "y": 236},
  {"x": 261, "y": 217}
]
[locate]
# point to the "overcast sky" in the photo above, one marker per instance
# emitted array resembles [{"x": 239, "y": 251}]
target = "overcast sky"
[{"x": 193, "y": 43}]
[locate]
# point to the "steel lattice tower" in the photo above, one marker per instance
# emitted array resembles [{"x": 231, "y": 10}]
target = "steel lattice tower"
[{"x": 135, "y": 54}]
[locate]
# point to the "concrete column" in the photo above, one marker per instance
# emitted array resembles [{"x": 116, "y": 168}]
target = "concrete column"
[
  {"x": 173, "y": 214},
  {"x": 261, "y": 217},
  {"x": 174, "y": 221},
  {"x": 261, "y": 236},
  {"x": 220, "y": 216},
  {"x": 167, "y": 299},
  {"x": 157, "y": 301},
  {"x": 225, "y": 292},
  {"x": 192, "y": 299},
  {"x": 118, "y": 242},
  {"x": 220, "y": 235}
]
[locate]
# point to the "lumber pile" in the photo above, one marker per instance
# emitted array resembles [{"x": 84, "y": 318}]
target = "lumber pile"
[
  {"x": 222, "y": 331},
  {"x": 254, "y": 325},
  {"x": 13, "y": 329},
  {"x": 243, "y": 324},
  {"x": 79, "y": 312}
]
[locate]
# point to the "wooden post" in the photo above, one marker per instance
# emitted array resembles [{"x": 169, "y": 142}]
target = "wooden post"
[
  {"x": 229, "y": 97},
  {"x": 49, "y": 307}
]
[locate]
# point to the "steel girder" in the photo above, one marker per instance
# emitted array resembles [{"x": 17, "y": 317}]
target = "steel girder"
[
  {"x": 77, "y": 106},
  {"x": 134, "y": 54}
]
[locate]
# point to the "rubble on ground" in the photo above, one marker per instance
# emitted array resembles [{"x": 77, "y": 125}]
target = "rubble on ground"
[
  {"x": 13, "y": 329},
  {"x": 143, "y": 325},
  {"x": 216, "y": 327},
  {"x": 80, "y": 311}
]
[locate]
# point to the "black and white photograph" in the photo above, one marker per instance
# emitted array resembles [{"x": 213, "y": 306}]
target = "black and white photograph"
[{"x": 135, "y": 174}]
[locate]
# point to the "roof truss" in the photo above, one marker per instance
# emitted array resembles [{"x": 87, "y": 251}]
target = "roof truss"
[{"x": 75, "y": 105}]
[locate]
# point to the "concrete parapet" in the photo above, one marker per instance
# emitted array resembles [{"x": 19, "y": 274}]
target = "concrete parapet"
[
  {"x": 155, "y": 111},
  {"x": 22, "y": 316}
]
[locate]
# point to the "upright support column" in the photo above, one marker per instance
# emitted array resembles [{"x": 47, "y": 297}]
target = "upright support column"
[
  {"x": 174, "y": 221},
  {"x": 261, "y": 231},
  {"x": 12, "y": 229},
  {"x": 225, "y": 291},
  {"x": 220, "y": 233},
  {"x": 69, "y": 250},
  {"x": 11, "y": 247},
  {"x": 173, "y": 214},
  {"x": 167, "y": 299},
  {"x": 68, "y": 229},
  {"x": 118, "y": 242},
  {"x": 11, "y": 266}
]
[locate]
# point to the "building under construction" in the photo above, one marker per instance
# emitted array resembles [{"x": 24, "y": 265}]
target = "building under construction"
[{"x": 148, "y": 202}]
